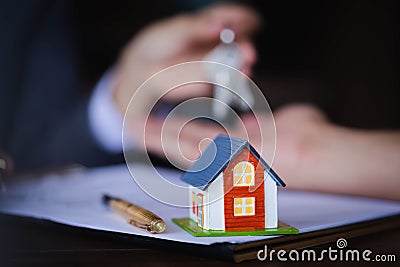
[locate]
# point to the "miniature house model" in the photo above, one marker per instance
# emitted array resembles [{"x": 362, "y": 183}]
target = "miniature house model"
[{"x": 232, "y": 188}]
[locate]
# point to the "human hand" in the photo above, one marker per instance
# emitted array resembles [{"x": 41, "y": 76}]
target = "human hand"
[
  {"x": 180, "y": 39},
  {"x": 302, "y": 132},
  {"x": 314, "y": 154}
]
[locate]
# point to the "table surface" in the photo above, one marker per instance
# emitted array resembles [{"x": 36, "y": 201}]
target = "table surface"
[{"x": 31, "y": 242}]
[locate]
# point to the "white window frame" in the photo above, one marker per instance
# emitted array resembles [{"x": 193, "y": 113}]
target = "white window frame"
[
  {"x": 243, "y": 206},
  {"x": 243, "y": 174}
]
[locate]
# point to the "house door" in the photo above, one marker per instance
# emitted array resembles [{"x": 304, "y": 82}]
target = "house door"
[{"x": 200, "y": 210}]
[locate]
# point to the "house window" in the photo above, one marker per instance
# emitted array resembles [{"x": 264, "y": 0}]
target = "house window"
[
  {"x": 243, "y": 174},
  {"x": 244, "y": 206}
]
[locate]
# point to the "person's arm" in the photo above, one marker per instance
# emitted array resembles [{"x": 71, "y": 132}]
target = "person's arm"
[
  {"x": 46, "y": 118},
  {"x": 351, "y": 161},
  {"x": 55, "y": 127}
]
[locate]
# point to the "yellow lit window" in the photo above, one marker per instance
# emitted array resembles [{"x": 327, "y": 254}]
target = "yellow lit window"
[
  {"x": 244, "y": 206},
  {"x": 243, "y": 174}
]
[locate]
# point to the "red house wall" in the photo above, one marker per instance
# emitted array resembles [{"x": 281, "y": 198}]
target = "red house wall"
[{"x": 240, "y": 223}]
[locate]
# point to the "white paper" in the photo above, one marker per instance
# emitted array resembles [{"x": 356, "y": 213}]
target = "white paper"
[{"x": 75, "y": 199}]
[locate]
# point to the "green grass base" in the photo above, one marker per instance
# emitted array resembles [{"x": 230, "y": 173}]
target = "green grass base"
[{"x": 191, "y": 226}]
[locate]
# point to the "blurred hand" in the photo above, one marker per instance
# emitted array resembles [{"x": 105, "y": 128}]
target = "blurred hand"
[
  {"x": 299, "y": 130},
  {"x": 180, "y": 39},
  {"x": 315, "y": 154}
]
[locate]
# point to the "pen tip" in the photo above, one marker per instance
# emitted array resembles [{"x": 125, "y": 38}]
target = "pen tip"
[{"x": 106, "y": 199}]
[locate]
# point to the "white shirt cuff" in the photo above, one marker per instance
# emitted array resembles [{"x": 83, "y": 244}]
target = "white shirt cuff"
[{"x": 104, "y": 117}]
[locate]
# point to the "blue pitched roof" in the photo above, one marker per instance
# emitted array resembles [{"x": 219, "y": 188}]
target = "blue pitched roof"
[{"x": 216, "y": 157}]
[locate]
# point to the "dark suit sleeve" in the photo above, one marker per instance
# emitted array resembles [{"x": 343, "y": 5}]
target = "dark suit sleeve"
[
  {"x": 45, "y": 111},
  {"x": 70, "y": 140}
]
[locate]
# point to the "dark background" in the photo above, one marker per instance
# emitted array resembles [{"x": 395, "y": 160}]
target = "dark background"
[{"x": 340, "y": 55}]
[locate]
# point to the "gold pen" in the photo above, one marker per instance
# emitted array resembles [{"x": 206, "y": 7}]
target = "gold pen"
[{"x": 137, "y": 216}]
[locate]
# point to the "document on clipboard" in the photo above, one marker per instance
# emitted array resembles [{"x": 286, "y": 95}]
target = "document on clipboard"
[{"x": 75, "y": 199}]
